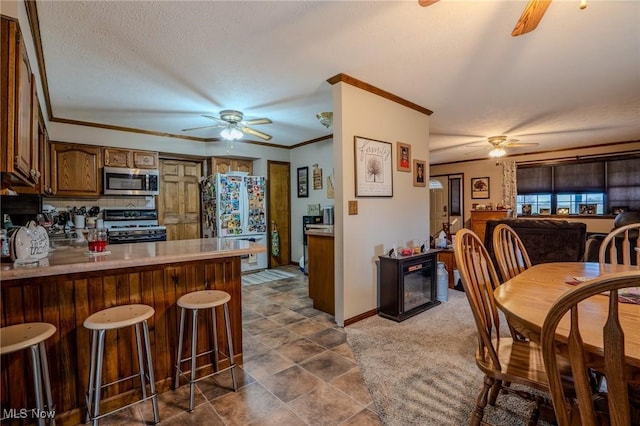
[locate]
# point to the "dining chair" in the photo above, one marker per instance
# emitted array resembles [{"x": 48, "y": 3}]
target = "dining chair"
[
  {"x": 511, "y": 255},
  {"x": 621, "y": 239},
  {"x": 613, "y": 368},
  {"x": 503, "y": 360}
]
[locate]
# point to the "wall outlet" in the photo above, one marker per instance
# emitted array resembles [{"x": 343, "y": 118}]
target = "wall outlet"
[{"x": 353, "y": 207}]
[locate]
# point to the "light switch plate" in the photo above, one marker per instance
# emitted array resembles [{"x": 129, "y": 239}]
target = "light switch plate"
[{"x": 353, "y": 207}]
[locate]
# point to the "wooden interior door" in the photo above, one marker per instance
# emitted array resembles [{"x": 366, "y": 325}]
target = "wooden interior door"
[
  {"x": 439, "y": 200},
  {"x": 279, "y": 210},
  {"x": 179, "y": 198}
]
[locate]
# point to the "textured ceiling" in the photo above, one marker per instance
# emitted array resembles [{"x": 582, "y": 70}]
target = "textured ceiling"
[{"x": 157, "y": 66}]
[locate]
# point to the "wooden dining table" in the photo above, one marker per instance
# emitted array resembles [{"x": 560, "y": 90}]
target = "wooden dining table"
[{"x": 526, "y": 299}]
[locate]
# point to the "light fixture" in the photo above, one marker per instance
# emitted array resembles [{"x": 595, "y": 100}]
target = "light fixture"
[
  {"x": 231, "y": 133},
  {"x": 497, "y": 152},
  {"x": 325, "y": 118}
]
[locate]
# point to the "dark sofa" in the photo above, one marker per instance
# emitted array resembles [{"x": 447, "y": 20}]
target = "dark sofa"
[{"x": 546, "y": 240}]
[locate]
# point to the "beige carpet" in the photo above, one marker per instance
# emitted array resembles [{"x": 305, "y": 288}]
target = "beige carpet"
[{"x": 422, "y": 371}]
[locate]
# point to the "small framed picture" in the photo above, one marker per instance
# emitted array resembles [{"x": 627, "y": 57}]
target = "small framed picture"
[
  {"x": 303, "y": 182},
  {"x": 404, "y": 157},
  {"x": 418, "y": 173},
  {"x": 480, "y": 188},
  {"x": 587, "y": 208},
  {"x": 563, "y": 210},
  {"x": 526, "y": 209},
  {"x": 544, "y": 212}
]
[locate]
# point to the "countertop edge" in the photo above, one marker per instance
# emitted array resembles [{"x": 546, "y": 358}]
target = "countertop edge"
[{"x": 87, "y": 263}]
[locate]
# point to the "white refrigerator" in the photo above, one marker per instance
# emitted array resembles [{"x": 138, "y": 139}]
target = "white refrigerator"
[{"x": 234, "y": 206}]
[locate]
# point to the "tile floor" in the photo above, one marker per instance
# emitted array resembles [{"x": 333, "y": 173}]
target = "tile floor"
[{"x": 298, "y": 370}]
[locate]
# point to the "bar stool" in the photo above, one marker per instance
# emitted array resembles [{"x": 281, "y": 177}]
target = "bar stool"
[
  {"x": 110, "y": 319},
  {"x": 195, "y": 301},
  {"x": 32, "y": 335}
]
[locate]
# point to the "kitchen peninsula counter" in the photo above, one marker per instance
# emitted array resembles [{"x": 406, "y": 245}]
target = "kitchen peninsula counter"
[
  {"x": 76, "y": 260},
  {"x": 72, "y": 285}
]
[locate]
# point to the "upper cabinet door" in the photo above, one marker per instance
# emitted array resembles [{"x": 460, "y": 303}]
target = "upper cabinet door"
[
  {"x": 19, "y": 125},
  {"x": 114, "y": 157},
  {"x": 145, "y": 160},
  {"x": 75, "y": 169}
]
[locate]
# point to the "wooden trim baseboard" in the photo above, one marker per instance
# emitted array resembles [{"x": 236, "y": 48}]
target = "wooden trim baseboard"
[{"x": 360, "y": 317}]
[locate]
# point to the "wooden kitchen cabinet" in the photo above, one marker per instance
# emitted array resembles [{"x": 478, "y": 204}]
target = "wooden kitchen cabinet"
[
  {"x": 43, "y": 185},
  {"x": 226, "y": 165},
  {"x": 118, "y": 157},
  {"x": 19, "y": 124},
  {"x": 75, "y": 169},
  {"x": 479, "y": 219},
  {"x": 321, "y": 270}
]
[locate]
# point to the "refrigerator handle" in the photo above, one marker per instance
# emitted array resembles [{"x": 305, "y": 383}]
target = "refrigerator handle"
[{"x": 244, "y": 205}]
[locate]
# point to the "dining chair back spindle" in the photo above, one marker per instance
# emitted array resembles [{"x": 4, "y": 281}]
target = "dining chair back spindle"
[
  {"x": 503, "y": 360},
  {"x": 616, "y": 373},
  {"x": 628, "y": 237},
  {"x": 511, "y": 254}
]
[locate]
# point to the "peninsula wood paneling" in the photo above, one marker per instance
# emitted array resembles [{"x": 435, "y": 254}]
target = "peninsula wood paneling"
[{"x": 66, "y": 301}]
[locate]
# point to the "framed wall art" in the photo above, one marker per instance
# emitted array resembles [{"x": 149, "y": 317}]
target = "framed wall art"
[
  {"x": 404, "y": 157},
  {"x": 480, "y": 187},
  {"x": 373, "y": 167},
  {"x": 418, "y": 173},
  {"x": 303, "y": 182}
]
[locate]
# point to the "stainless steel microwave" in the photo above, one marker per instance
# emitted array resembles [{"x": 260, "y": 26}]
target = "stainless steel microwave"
[{"x": 123, "y": 181}]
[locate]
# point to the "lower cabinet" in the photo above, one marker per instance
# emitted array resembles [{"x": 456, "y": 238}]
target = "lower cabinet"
[
  {"x": 407, "y": 285},
  {"x": 321, "y": 271}
]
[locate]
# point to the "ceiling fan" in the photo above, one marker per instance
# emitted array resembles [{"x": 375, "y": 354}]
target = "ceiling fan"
[
  {"x": 530, "y": 18},
  {"x": 497, "y": 145},
  {"x": 234, "y": 126}
]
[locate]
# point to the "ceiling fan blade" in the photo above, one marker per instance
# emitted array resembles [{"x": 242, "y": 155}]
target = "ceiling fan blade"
[
  {"x": 425, "y": 3},
  {"x": 530, "y": 17},
  {"x": 257, "y": 133},
  {"x": 202, "y": 127},
  {"x": 257, "y": 121},
  {"x": 521, "y": 144}
]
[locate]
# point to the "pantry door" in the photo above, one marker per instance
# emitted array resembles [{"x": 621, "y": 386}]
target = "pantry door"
[
  {"x": 179, "y": 199},
  {"x": 279, "y": 213}
]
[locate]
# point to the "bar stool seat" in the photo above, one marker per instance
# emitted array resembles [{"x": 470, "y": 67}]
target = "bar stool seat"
[
  {"x": 204, "y": 299},
  {"x": 194, "y": 301},
  {"x": 110, "y": 319},
  {"x": 32, "y": 335},
  {"x": 118, "y": 317}
]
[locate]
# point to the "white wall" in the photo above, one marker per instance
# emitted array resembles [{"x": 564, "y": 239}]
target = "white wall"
[
  {"x": 320, "y": 153},
  {"x": 487, "y": 167},
  {"x": 360, "y": 239}
]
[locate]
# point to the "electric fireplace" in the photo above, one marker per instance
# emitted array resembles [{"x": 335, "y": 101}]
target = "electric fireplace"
[{"x": 407, "y": 285}]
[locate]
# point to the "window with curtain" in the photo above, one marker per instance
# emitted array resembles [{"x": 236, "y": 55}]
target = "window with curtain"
[{"x": 594, "y": 186}]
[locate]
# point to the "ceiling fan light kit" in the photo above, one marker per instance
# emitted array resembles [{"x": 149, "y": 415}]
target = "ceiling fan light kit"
[
  {"x": 231, "y": 133},
  {"x": 497, "y": 152}
]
